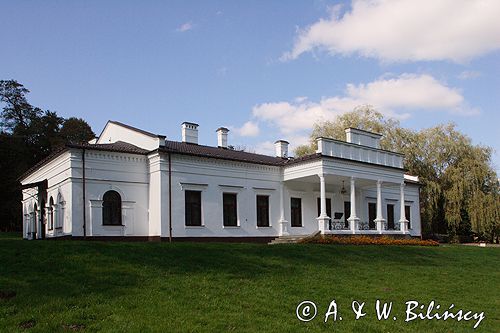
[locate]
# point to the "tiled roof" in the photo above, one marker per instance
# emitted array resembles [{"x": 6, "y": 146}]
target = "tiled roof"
[
  {"x": 132, "y": 128},
  {"x": 221, "y": 153},
  {"x": 119, "y": 147}
]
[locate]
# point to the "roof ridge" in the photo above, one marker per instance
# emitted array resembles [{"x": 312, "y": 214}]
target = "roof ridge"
[{"x": 135, "y": 129}]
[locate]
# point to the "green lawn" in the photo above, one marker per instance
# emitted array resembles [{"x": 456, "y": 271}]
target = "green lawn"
[{"x": 196, "y": 287}]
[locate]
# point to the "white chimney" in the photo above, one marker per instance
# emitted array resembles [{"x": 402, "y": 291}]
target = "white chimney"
[
  {"x": 281, "y": 147},
  {"x": 222, "y": 137},
  {"x": 190, "y": 133}
]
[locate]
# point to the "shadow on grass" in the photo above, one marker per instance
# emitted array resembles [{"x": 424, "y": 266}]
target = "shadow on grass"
[{"x": 40, "y": 270}]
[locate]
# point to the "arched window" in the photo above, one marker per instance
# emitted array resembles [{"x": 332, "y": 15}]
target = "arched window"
[
  {"x": 51, "y": 213},
  {"x": 111, "y": 208},
  {"x": 59, "y": 217}
]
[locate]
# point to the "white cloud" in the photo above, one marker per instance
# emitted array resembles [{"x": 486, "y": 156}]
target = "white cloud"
[
  {"x": 406, "y": 30},
  {"x": 249, "y": 128},
  {"x": 266, "y": 148},
  {"x": 222, "y": 71},
  {"x": 467, "y": 75},
  {"x": 395, "y": 97},
  {"x": 185, "y": 27}
]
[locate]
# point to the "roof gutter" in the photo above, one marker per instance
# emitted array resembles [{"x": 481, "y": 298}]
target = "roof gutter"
[
  {"x": 83, "y": 196},
  {"x": 169, "y": 197}
]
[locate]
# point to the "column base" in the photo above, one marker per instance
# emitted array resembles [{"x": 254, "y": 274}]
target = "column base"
[
  {"x": 353, "y": 224},
  {"x": 380, "y": 225},
  {"x": 403, "y": 225},
  {"x": 323, "y": 223},
  {"x": 283, "y": 228}
]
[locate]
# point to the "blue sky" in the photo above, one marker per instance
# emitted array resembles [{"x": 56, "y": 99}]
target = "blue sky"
[{"x": 266, "y": 69}]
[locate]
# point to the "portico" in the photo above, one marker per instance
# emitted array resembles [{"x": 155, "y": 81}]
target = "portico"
[{"x": 359, "y": 188}]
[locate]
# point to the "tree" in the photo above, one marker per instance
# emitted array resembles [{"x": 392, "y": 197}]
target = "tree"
[
  {"x": 17, "y": 113},
  {"x": 364, "y": 117},
  {"x": 28, "y": 135},
  {"x": 76, "y": 130},
  {"x": 460, "y": 190}
]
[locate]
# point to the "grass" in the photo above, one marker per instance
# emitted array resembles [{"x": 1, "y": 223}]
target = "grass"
[{"x": 64, "y": 286}]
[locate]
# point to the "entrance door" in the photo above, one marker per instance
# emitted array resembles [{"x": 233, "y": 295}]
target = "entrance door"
[
  {"x": 390, "y": 216},
  {"x": 372, "y": 213}
]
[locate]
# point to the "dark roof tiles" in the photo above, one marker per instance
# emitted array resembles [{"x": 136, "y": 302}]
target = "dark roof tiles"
[
  {"x": 218, "y": 152},
  {"x": 119, "y": 147}
]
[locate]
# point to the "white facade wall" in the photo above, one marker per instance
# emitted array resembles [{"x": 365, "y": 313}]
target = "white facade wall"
[
  {"x": 58, "y": 175},
  {"x": 213, "y": 177},
  {"x": 143, "y": 184},
  {"x": 113, "y": 133}
]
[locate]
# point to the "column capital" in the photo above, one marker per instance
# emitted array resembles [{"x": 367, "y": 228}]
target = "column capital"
[
  {"x": 321, "y": 175},
  {"x": 379, "y": 182},
  {"x": 403, "y": 184}
]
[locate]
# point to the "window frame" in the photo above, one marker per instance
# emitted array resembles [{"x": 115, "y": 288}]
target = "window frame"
[
  {"x": 300, "y": 212},
  {"x": 391, "y": 218},
  {"x": 118, "y": 209},
  {"x": 199, "y": 192},
  {"x": 235, "y": 212},
  {"x": 408, "y": 215},
  {"x": 50, "y": 213},
  {"x": 267, "y": 209}
]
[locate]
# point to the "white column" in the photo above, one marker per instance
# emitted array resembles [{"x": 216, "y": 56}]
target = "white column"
[
  {"x": 403, "y": 222},
  {"x": 353, "y": 219},
  {"x": 323, "y": 219},
  {"x": 39, "y": 223},
  {"x": 283, "y": 222},
  {"x": 379, "y": 220}
]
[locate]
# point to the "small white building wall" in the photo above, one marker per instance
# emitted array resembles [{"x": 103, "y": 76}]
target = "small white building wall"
[
  {"x": 114, "y": 132},
  {"x": 126, "y": 174},
  {"x": 213, "y": 177},
  {"x": 58, "y": 175}
]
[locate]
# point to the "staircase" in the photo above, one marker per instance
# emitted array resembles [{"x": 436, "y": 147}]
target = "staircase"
[{"x": 290, "y": 239}]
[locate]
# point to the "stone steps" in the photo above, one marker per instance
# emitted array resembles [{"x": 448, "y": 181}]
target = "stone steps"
[{"x": 290, "y": 239}]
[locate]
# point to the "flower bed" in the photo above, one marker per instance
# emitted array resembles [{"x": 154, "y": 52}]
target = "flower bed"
[{"x": 365, "y": 240}]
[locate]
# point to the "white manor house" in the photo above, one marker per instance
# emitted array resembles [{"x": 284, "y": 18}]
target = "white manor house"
[{"x": 129, "y": 183}]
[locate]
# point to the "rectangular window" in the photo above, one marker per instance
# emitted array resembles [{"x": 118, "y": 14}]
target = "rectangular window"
[
  {"x": 263, "y": 211},
  {"x": 347, "y": 213},
  {"x": 408, "y": 215},
  {"x": 296, "y": 212},
  {"x": 192, "y": 208},
  {"x": 372, "y": 213},
  {"x": 328, "y": 207},
  {"x": 230, "y": 209},
  {"x": 390, "y": 217}
]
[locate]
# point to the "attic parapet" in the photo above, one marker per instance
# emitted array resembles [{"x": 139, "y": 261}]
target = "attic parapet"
[{"x": 356, "y": 152}]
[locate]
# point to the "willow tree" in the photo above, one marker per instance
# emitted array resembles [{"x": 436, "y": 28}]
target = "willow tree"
[{"x": 460, "y": 191}]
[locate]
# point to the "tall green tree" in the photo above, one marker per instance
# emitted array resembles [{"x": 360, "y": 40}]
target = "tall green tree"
[
  {"x": 76, "y": 130},
  {"x": 460, "y": 192},
  {"x": 28, "y": 134}
]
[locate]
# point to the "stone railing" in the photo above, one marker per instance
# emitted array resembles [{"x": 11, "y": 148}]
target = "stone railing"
[{"x": 355, "y": 152}]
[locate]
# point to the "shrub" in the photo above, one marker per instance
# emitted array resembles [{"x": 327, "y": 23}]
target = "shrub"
[{"x": 366, "y": 240}]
